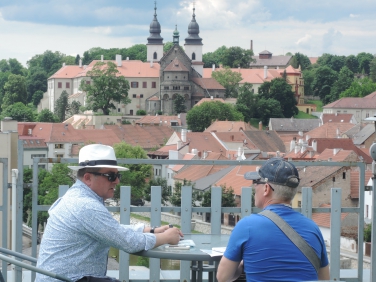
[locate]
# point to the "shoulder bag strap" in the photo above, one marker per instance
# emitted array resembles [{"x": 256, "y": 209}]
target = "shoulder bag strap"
[{"x": 303, "y": 246}]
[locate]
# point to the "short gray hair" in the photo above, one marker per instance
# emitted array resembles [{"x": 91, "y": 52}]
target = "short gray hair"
[{"x": 282, "y": 192}]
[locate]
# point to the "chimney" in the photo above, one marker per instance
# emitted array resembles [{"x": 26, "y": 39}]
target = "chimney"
[
  {"x": 296, "y": 149},
  {"x": 213, "y": 67},
  {"x": 239, "y": 158},
  {"x": 184, "y": 135},
  {"x": 336, "y": 151},
  {"x": 260, "y": 125},
  {"x": 118, "y": 60},
  {"x": 337, "y": 131},
  {"x": 194, "y": 151},
  {"x": 251, "y": 45},
  {"x": 127, "y": 58},
  {"x": 101, "y": 58},
  {"x": 178, "y": 145},
  {"x": 30, "y": 132},
  {"x": 151, "y": 64},
  {"x": 265, "y": 72},
  {"x": 63, "y": 64},
  {"x": 292, "y": 145},
  {"x": 80, "y": 63},
  {"x": 211, "y": 97}
]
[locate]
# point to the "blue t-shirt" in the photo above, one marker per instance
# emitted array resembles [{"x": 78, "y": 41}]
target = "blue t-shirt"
[{"x": 267, "y": 253}]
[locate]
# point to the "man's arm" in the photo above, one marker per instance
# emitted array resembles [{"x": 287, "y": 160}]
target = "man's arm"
[
  {"x": 229, "y": 270},
  {"x": 324, "y": 273}
]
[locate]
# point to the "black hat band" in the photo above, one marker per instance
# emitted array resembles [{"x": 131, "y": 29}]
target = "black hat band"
[{"x": 99, "y": 162}]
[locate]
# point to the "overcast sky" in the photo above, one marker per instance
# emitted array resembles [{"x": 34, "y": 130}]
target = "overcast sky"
[{"x": 311, "y": 27}]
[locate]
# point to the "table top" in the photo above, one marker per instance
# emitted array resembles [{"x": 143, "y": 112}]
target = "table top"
[{"x": 202, "y": 241}]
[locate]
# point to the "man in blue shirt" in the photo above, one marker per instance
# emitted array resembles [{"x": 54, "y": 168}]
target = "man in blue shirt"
[
  {"x": 259, "y": 248},
  {"x": 80, "y": 229}
]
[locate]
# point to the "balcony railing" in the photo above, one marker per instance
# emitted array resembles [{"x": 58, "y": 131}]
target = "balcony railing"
[{"x": 186, "y": 210}]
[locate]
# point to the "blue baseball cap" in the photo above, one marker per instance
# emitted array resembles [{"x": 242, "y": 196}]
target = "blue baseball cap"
[{"x": 277, "y": 171}]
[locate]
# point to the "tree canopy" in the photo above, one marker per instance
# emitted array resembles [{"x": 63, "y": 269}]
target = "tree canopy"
[
  {"x": 201, "y": 117},
  {"x": 14, "y": 90},
  {"x": 279, "y": 90},
  {"x": 246, "y": 102},
  {"x": 235, "y": 57},
  {"x": 228, "y": 79},
  {"x": 359, "y": 88},
  {"x": 179, "y": 104},
  {"x": 105, "y": 87},
  {"x": 19, "y": 111},
  {"x": 228, "y": 197}
]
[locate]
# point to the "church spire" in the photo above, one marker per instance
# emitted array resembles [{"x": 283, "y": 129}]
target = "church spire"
[
  {"x": 193, "y": 31},
  {"x": 175, "y": 37},
  {"x": 155, "y": 29}
]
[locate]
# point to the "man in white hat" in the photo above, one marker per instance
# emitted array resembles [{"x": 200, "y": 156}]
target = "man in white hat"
[{"x": 80, "y": 229}]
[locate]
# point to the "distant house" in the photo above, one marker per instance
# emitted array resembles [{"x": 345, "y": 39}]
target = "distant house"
[
  {"x": 361, "y": 108},
  {"x": 365, "y": 137},
  {"x": 266, "y": 58},
  {"x": 337, "y": 117},
  {"x": 292, "y": 125}
]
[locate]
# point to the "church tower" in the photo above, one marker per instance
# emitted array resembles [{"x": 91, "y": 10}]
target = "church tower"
[
  {"x": 193, "y": 45},
  {"x": 155, "y": 41}
]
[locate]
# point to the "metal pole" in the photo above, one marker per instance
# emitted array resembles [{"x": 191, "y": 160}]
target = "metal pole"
[{"x": 14, "y": 216}]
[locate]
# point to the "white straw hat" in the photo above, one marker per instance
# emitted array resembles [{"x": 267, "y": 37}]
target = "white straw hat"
[{"x": 97, "y": 155}]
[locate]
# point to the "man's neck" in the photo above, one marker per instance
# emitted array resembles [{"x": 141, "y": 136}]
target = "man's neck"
[{"x": 276, "y": 202}]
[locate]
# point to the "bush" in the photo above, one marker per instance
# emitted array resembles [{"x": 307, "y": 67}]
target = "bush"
[
  {"x": 141, "y": 113},
  {"x": 367, "y": 233}
]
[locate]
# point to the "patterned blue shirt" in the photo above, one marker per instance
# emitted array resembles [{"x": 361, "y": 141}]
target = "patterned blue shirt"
[{"x": 79, "y": 233}]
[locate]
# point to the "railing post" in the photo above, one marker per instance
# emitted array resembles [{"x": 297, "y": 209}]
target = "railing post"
[
  {"x": 216, "y": 211},
  {"x": 335, "y": 232},
  {"x": 307, "y": 202},
  {"x": 4, "y": 211},
  {"x": 155, "y": 220},
  {"x": 125, "y": 216},
  {"x": 186, "y": 218},
  {"x": 246, "y": 201}
]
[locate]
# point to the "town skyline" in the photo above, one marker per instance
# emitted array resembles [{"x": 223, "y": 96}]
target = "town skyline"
[{"x": 29, "y": 28}]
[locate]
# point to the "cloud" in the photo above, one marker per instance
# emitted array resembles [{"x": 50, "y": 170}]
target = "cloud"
[
  {"x": 304, "y": 41},
  {"x": 354, "y": 16},
  {"x": 330, "y": 38}
]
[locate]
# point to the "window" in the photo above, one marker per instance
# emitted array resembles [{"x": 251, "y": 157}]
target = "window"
[
  {"x": 155, "y": 56},
  {"x": 88, "y": 82},
  {"x": 193, "y": 56},
  {"x": 343, "y": 175},
  {"x": 67, "y": 85},
  {"x": 186, "y": 87},
  {"x": 153, "y": 84},
  {"x": 367, "y": 114},
  {"x": 166, "y": 88},
  {"x": 141, "y": 95},
  {"x": 299, "y": 204},
  {"x": 59, "y": 85},
  {"x": 59, "y": 155},
  {"x": 118, "y": 110},
  {"x": 41, "y": 166},
  {"x": 176, "y": 87},
  {"x": 134, "y": 96},
  {"x": 134, "y": 84},
  {"x": 131, "y": 112},
  {"x": 59, "y": 146},
  {"x": 144, "y": 84},
  {"x": 38, "y": 156}
]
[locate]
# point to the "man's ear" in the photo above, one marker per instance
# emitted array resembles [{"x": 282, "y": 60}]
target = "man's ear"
[
  {"x": 267, "y": 189},
  {"x": 87, "y": 178}
]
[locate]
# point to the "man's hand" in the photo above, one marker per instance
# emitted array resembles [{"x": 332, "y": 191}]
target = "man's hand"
[{"x": 168, "y": 236}]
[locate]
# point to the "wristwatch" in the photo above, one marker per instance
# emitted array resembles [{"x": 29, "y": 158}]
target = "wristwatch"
[{"x": 153, "y": 228}]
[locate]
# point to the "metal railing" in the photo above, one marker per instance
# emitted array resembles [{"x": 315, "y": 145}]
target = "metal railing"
[{"x": 186, "y": 210}]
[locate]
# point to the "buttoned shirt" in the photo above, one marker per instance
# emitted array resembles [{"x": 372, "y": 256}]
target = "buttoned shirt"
[{"x": 79, "y": 233}]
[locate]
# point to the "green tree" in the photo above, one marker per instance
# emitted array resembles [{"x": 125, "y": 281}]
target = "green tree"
[
  {"x": 309, "y": 76},
  {"x": 359, "y": 88},
  {"x": 16, "y": 67},
  {"x": 364, "y": 60},
  {"x": 106, "y": 87},
  {"x": 36, "y": 81},
  {"x": 279, "y": 90},
  {"x": 228, "y": 197},
  {"x": 372, "y": 70},
  {"x": 49, "y": 61},
  {"x": 228, "y": 79},
  {"x": 246, "y": 102},
  {"x": 77, "y": 60},
  {"x": 3, "y": 79},
  {"x": 158, "y": 182},
  {"x": 14, "y": 90},
  {"x": 46, "y": 115},
  {"x": 323, "y": 82},
  {"x": 141, "y": 113},
  {"x": 345, "y": 78},
  {"x": 167, "y": 46},
  {"x": 201, "y": 117},
  {"x": 352, "y": 63},
  {"x": 19, "y": 112},
  {"x": 179, "y": 104},
  {"x": 62, "y": 106},
  {"x": 137, "y": 174},
  {"x": 48, "y": 189},
  {"x": 137, "y": 52},
  {"x": 367, "y": 233},
  {"x": 175, "y": 198},
  {"x": 74, "y": 108},
  {"x": 38, "y": 95},
  {"x": 268, "y": 108},
  {"x": 300, "y": 60},
  {"x": 235, "y": 57}
]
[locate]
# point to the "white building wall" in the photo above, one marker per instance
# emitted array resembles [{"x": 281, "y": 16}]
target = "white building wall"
[
  {"x": 368, "y": 205},
  {"x": 151, "y": 49}
]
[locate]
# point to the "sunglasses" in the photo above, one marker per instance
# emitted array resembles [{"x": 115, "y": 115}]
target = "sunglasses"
[
  {"x": 110, "y": 176},
  {"x": 262, "y": 182}
]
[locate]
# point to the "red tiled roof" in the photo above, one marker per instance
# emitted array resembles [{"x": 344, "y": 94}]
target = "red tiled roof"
[
  {"x": 354, "y": 182},
  {"x": 229, "y": 126},
  {"x": 323, "y": 219},
  {"x": 207, "y": 83},
  {"x": 336, "y": 118},
  {"x": 367, "y": 102},
  {"x": 235, "y": 179},
  {"x": 330, "y": 130},
  {"x": 176, "y": 65},
  {"x": 158, "y": 120}
]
